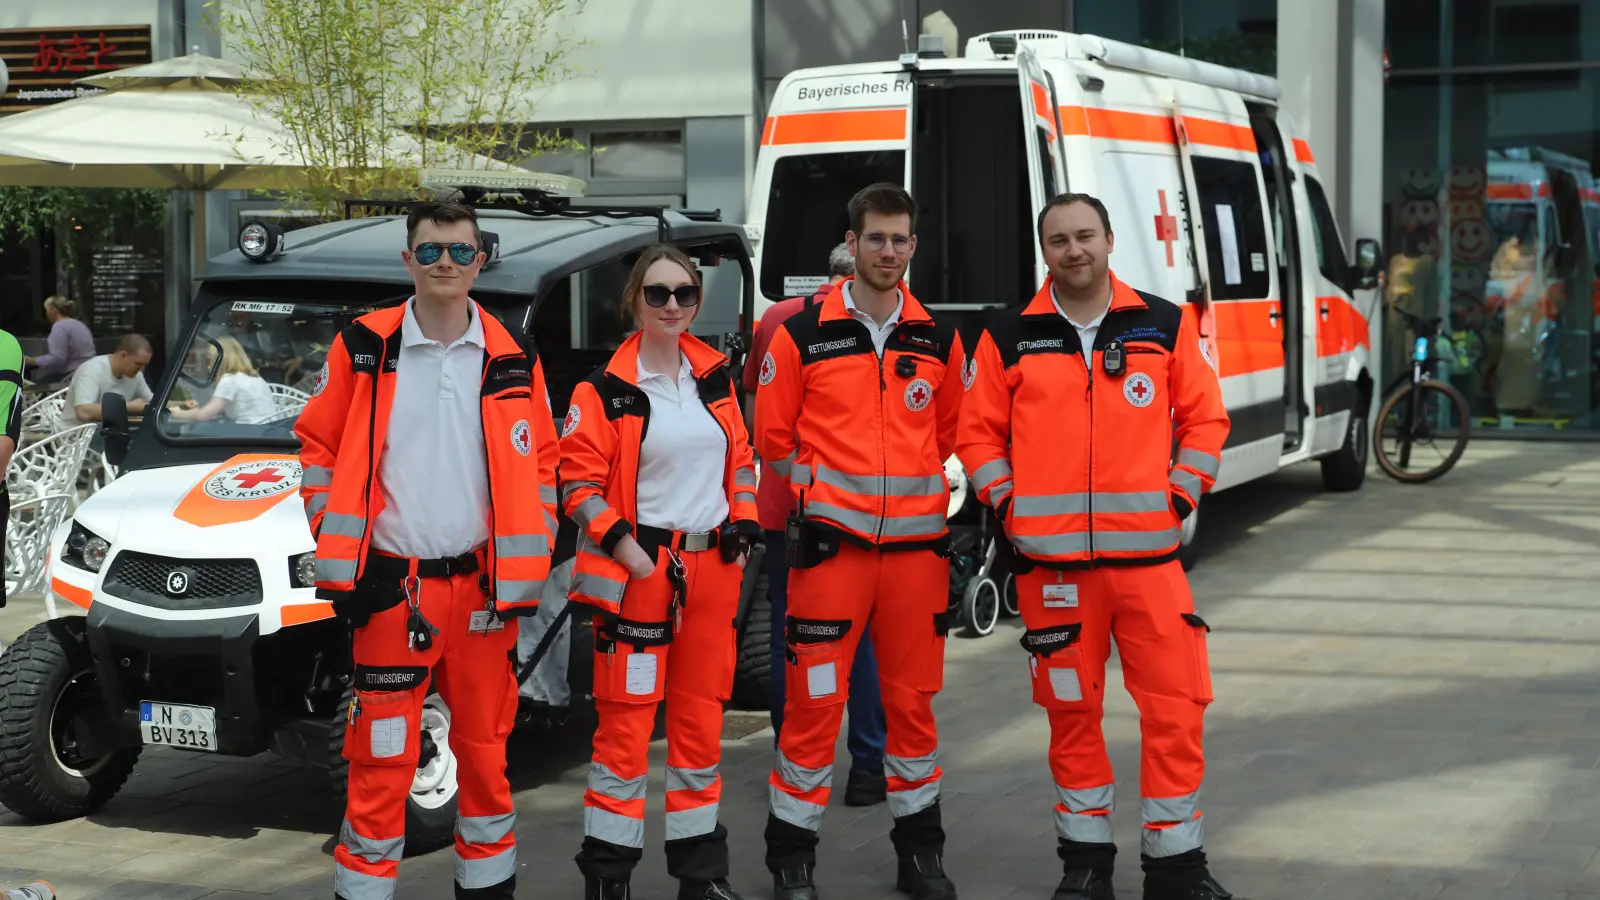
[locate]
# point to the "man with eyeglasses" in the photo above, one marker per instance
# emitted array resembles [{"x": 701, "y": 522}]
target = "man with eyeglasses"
[
  {"x": 424, "y": 438},
  {"x": 857, "y": 407}
]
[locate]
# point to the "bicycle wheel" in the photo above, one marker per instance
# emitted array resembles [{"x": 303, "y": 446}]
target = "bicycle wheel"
[{"x": 1429, "y": 449}]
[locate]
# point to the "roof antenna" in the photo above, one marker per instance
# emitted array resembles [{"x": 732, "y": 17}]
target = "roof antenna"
[{"x": 905, "y": 33}]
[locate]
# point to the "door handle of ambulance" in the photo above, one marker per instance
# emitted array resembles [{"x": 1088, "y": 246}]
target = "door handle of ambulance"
[
  {"x": 1274, "y": 315},
  {"x": 1324, "y": 310}
]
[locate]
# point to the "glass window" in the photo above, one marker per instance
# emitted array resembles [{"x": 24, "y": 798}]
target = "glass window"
[
  {"x": 1330, "y": 252},
  {"x": 806, "y": 215},
  {"x": 1046, "y": 167},
  {"x": 653, "y": 155},
  {"x": 1236, "y": 229}
]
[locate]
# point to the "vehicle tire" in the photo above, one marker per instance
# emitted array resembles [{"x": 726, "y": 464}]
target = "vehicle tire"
[
  {"x": 431, "y": 805},
  {"x": 980, "y": 608},
  {"x": 1008, "y": 597},
  {"x": 46, "y": 675},
  {"x": 1188, "y": 547},
  {"x": 1346, "y": 469},
  {"x": 752, "y": 674},
  {"x": 1431, "y": 392}
]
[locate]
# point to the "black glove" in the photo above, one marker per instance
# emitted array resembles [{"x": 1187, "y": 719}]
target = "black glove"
[{"x": 737, "y": 538}]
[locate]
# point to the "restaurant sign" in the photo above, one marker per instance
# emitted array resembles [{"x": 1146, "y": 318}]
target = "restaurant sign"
[{"x": 41, "y": 64}]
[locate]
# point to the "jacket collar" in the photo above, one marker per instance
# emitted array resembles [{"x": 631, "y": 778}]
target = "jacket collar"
[
  {"x": 911, "y": 311},
  {"x": 1122, "y": 297},
  {"x": 494, "y": 336},
  {"x": 703, "y": 358}
]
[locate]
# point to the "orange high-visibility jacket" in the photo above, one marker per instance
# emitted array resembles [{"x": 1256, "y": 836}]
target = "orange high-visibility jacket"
[
  {"x": 346, "y": 421},
  {"x": 863, "y": 439},
  {"x": 1078, "y": 463},
  {"x": 600, "y": 442}
]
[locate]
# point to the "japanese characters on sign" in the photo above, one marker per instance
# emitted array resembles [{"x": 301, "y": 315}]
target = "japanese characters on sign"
[{"x": 44, "y": 62}]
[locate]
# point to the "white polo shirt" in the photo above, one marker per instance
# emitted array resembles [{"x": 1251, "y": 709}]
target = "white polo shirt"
[
  {"x": 433, "y": 473},
  {"x": 880, "y": 333},
  {"x": 1086, "y": 333},
  {"x": 683, "y": 459}
]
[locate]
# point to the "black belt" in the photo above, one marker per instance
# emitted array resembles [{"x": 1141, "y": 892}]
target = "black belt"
[
  {"x": 387, "y": 567},
  {"x": 651, "y": 539}
]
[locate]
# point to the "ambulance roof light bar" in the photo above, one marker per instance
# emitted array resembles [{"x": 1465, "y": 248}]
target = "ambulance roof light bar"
[
  {"x": 1142, "y": 59},
  {"x": 929, "y": 46}
]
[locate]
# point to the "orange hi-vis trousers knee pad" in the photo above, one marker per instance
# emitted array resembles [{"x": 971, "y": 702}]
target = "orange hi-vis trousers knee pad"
[
  {"x": 902, "y": 596},
  {"x": 652, "y": 658},
  {"x": 471, "y": 670},
  {"x": 1070, "y": 619}
]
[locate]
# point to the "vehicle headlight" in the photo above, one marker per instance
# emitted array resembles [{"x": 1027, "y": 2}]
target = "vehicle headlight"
[
  {"x": 303, "y": 569},
  {"x": 85, "y": 549}
]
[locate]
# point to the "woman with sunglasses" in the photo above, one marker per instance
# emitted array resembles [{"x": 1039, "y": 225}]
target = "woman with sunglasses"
[{"x": 657, "y": 470}]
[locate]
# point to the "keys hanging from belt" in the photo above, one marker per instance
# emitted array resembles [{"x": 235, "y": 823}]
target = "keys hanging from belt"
[
  {"x": 678, "y": 578},
  {"x": 419, "y": 631}
]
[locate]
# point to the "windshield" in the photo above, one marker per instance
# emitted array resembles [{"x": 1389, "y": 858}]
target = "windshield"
[
  {"x": 249, "y": 368},
  {"x": 1514, "y": 230},
  {"x": 806, "y": 215}
]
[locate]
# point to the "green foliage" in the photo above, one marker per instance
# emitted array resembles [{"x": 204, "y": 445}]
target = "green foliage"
[
  {"x": 1252, "y": 52},
  {"x": 96, "y": 216},
  {"x": 355, "y": 82}
]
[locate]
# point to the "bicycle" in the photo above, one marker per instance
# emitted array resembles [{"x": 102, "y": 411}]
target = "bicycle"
[{"x": 1417, "y": 408}]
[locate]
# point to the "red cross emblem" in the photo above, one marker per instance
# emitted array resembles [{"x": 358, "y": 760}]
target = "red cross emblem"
[
  {"x": 249, "y": 480},
  {"x": 1166, "y": 228},
  {"x": 918, "y": 393},
  {"x": 1139, "y": 390}
]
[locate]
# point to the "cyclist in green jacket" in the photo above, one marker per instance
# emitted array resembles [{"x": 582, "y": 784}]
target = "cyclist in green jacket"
[{"x": 11, "y": 414}]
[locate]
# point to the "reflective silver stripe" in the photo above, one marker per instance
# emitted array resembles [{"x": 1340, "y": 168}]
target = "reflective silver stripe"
[
  {"x": 849, "y": 518},
  {"x": 1085, "y": 799},
  {"x": 797, "y": 812},
  {"x": 335, "y": 569},
  {"x": 1076, "y": 823},
  {"x": 547, "y": 493},
  {"x": 477, "y": 874},
  {"x": 999, "y": 493},
  {"x": 1052, "y": 544},
  {"x": 1203, "y": 463},
  {"x": 801, "y": 476},
  {"x": 1135, "y": 540},
  {"x": 1169, "y": 809},
  {"x": 913, "y": 800},
  {"x": 316, "y": 476},
  {"x": 744, "y": 492},
  {"x": 913, "y": 526},
  {"x": 314, "y": 504},
  {"x": 588, "y": 509},
  {"x": 781, "y": 466},
  {"x": 688, "y": 823},
  {"x": 514, "y": 545},
  {"x": 608, "y": 826},
  {"x": 551, "y": 523},
  {"x": 353, "y": 885},
  {"x": 513, "y": 591},
  {"x": 745, "y": 476},
  {"x": 883, "y": 485},
  {"x": 572, "y": 487},
  {"x": 991, "y": 471},
  {"x": 599, "y": 586},
  {"x": 344, "y": 525},
  {"x": 866, "y": 523},
  {"x": 912, "y": 768},
  {"x": 1130, "y": 502},
  {"x": 372, "y": 850},
  {"x": 1050, "y": 505},
  {"x": 1188, "y": 482},
  {"x": 1179, "y": 838},
  {"x": 1100, "y": 502},
  {"x": 485, "y": 829},
  {"x": 690, "y": 779},
  {"x": 1092, "y": 829},
  {"x": 604, "y": 781},
  {"x": 803, "y": 780}
]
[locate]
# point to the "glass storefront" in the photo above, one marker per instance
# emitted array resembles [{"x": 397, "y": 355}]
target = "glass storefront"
[{"x": 1491, "y": 135}]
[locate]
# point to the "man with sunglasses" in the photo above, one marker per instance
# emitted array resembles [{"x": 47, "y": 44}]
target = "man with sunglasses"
[
  {"x": 426, "y": 431},
  {"x": 868, "y": 542}
]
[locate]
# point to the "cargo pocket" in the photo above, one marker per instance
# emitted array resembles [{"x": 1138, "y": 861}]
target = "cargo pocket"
[
  {"x": 730, "y": 653},
  {"x": 818, "y": 670},
  {"x": 1055, "y": 665},
  {"x": 1199, "y": 656},
  {"x": 632, "y": 666},
  {"x": 932, "y": 665},
  {"x": 381, "y": 729}
]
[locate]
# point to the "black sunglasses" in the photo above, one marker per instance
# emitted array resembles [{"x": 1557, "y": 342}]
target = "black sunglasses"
[
  {"x": 657, "y": 295},
  {"x": 428, "y": 253}
]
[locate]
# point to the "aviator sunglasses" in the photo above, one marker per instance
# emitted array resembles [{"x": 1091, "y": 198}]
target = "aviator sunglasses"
[
  {"x": 656, "y": 295},
  {"x": 428, "y": 253}
]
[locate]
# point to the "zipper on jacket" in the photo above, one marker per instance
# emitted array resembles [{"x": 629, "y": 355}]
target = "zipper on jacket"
[
  {"x": 883, "y": 440},
  {"x": 1088, "y": 366},
  {"x": 372, "y": 472},
  {"x": 490, "y": 556}
]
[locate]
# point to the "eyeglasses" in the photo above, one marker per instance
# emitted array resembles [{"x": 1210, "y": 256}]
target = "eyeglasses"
[
  {"x": 657, "y": 295},
  {"x": 428, "y": 253},
  {"x": 877, "y": 240}
]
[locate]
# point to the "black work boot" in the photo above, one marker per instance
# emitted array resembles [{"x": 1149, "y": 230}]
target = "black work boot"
[
  {"x": 707, "y": 890},
  {"x": 922, "y": 876},
  {"x": 1193, "y": 884},
  {"x": 1085, "y": 884},
  {"x": 794, "y": 883},
  {"x": 605, "y": 889},
  {"x": 865, "y": 788}
]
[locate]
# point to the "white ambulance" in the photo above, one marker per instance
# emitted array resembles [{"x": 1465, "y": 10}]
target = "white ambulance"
[{"x": 984, "y": 140}]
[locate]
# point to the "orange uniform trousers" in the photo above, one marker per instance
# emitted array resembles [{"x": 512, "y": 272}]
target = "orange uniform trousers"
[
  {"x": 471, "y": 670},
  {"x": 902, "y": 596},
  {"x": 693, "y": 673},
  {"x": 1071, "y": 618}
]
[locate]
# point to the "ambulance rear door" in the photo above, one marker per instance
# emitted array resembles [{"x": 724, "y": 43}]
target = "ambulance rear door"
[{"x": 1041, "y": 135}]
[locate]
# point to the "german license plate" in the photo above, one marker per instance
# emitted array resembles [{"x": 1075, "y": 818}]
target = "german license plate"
[{"x": 171, "y": 725}]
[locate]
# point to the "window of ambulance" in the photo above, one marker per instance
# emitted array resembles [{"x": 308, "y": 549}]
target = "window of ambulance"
[
  {"x": 1236, "y": 229},
  {"x": 806, "y": 215},
  {"x": 1330, "y": 253}
]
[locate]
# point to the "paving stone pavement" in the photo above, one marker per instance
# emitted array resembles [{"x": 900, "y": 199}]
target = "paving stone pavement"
[{"x": 1406, "y": 709}]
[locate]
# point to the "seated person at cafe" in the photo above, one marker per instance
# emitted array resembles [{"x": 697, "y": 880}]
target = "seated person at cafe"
[
  {"x": 121, "y": 372},
  {"x": 241, "y": 394}
]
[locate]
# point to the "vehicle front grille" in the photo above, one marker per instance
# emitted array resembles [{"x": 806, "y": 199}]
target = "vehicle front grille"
[{"x": 212, "y": 583}]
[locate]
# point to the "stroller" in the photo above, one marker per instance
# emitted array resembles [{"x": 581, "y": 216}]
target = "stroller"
[{"x": 981, "y": 591}]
